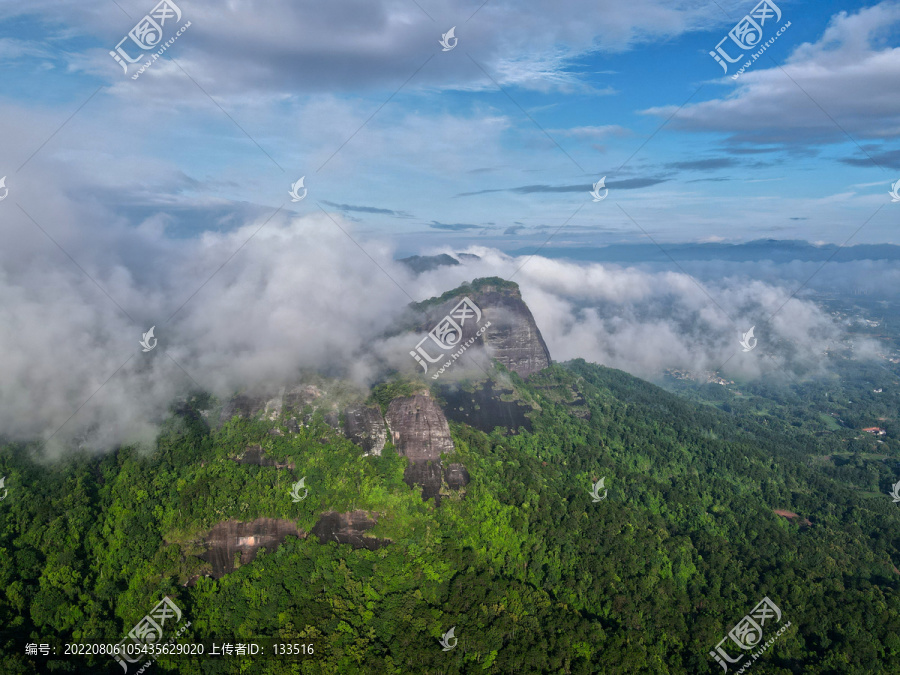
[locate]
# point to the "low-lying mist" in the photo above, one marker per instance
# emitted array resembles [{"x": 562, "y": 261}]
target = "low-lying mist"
[{"x": 252, "y": 307}]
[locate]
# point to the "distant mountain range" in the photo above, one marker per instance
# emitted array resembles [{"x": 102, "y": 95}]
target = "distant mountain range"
[
  {"x": 779, "y": 251},
  {"x": 776, "y": 250}
]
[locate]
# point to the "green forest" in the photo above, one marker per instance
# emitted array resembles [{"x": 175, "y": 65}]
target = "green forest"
[{"x": 532, "y": 573}]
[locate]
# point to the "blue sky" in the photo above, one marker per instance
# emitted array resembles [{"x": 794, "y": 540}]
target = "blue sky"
[{"x": 494, "y": 143}]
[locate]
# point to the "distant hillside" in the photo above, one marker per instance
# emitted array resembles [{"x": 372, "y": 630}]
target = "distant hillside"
[{"x": 426, "y": 263}]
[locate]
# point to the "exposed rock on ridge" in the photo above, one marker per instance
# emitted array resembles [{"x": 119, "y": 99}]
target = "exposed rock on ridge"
[
  {"x": 419, "y": 428},
  {"x": 229, "y": 538},
  {"x": 251, "y": 405}
]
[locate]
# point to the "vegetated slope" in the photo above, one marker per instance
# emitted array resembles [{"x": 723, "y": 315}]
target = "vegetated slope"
[{"x": 533, "y": 575}]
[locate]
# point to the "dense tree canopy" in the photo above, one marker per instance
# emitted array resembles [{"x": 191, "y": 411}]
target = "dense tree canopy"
[{"x": 533, "y": 574}]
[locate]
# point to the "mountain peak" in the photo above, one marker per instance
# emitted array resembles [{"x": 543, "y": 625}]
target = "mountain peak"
[
  {"x": 480, "y": 285},
  {"x": 510, "y": 334}
]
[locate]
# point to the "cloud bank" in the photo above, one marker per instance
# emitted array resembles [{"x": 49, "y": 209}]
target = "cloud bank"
[{"x": 254, "y": 306}]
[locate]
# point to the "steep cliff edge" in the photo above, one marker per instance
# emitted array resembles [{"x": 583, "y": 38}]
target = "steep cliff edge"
[
  {"x": 420, "y": 432},
  {"x": 512, "y": 338}
]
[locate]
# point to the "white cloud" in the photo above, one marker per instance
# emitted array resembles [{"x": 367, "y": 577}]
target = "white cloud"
[
  {"x": 300, "y": 294},
  {"x": 849, "y": 72},
  {"x": 643, "y": 320},
  {"x": 287, "y": 46}
]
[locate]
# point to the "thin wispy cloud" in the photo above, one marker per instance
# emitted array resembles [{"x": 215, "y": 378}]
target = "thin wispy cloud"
[
  {"x": 886, "y": 158},
  {"x": 367, "y": 209},
  {"x": 624, "y": 184},
  {"x": 455, "y": 227}
]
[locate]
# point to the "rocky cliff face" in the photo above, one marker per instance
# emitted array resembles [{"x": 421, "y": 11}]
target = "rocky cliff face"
[
  {"x": 484, "y": 408},
  {"x": 512, "y": 338},
  {"x": 348, "y": 528},
  {"x": 267, "y": 404},
  {"x": 420, "y": 432},
  {"x": 456, "y": 476},
  {"x": 418, "y": 428},
  {"x": 231, "y": 537},
  {"x": 234, "y": 541},
  {"x": 364, "y": 426},
  {"x": 297, "y": 397},
  {"x": 285, "y": 403},
  {"x": 254, "y": 454}
]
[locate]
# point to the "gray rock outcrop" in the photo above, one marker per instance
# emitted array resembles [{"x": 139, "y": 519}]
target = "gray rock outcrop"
[
  {"x": 254, "y": 454},
  {"x": 456, "y": 476},
  {"x": 296, "y": 398},
  {"x": 234, "y": 541},
  {"x": 348, "y": 528},
  {"x": 249, "y": 406},
  {"x": 364, "y": 425},
  {"x": 419, "y": 429},
  {"x": 420, "y": 432},
  {"x": 231, "y": 537}
]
